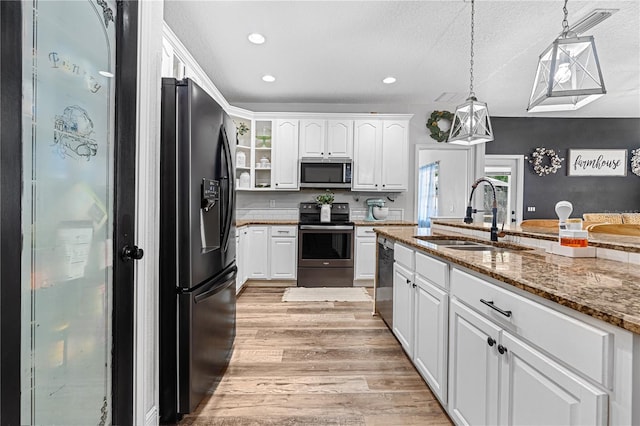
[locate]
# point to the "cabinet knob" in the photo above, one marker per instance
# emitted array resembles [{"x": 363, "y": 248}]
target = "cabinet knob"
[
  {"x": 383, "y": 185},
  {"x": 491, "y": 341},
  {"x": 408, "y": 281},
  {"x": 276, "y": 184},
  {"x": 329, "y": 153},
  {"x": 376, "y": 185},
  {"x": 322, "y": 153},
  {"x": 502, "y": 349},
  {"x": 414, "y": 285}
]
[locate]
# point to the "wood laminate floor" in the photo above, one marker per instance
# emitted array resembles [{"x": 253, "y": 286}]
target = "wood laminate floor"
[{"x": 316, "y": 363}]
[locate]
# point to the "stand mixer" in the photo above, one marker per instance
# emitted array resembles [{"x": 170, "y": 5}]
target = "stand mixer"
[{"x": 373, "y": 202}]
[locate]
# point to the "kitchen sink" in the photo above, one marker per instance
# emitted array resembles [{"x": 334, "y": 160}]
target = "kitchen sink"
[
  {"x": 456, "y": 243},
  {"x": 451, "y": 242}
]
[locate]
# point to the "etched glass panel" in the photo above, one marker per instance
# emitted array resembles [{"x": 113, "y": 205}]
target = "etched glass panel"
[{"x": 68, "y": 127}]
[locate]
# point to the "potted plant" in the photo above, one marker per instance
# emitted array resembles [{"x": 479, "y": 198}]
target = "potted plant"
[
  {"x": 325, "y": 200},
  {"x": 241, "y": 130}
]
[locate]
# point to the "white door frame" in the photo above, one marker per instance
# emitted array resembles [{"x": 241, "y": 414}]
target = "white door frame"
[{"x": 519, "y": 174}]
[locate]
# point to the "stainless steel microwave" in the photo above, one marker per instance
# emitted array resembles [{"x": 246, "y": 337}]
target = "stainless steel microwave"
[{"x": 316, "y": 173}]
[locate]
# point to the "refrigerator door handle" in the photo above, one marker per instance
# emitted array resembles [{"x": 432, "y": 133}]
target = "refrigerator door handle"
[
  {"x": 228, "y": 279},
  {"x": 231, "y": 188}
]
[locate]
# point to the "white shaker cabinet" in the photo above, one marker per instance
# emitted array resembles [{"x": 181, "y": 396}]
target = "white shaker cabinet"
[
  {"x": 285, "y": 155},
  {"x": 430, "y": 335},
  {"x": 257, "y": 253},
  {"x": 497, "y": 378},
  {"x": 241, "y": 256},
  {"x": 365, "y": 253},
  {"x": 325, "y": 139},
  {"x": 284, "y": 252},
  {"x": 380, "y": 155},
  {"x": 403, "y": 307}
]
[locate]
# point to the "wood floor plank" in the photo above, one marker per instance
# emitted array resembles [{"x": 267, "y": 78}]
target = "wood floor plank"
[{"x": 319, "y": 363}]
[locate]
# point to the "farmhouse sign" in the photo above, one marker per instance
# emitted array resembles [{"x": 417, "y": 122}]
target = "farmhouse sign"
[{"x": 597, "y": 162}]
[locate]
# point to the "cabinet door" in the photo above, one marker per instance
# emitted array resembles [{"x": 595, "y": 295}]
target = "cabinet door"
[
  {"x": 430, "y": 336},
  {"x": 339, "y": 138},
  {"x": 312, "y": 138},
  {"x": 537, "y": 391},
  {"x": 285, "y": 152},
  {"x": 365, "y": 258},
  {"x": 473, "y": 367},
  {"x": 257, "y": 255},
  {"x": 284, "y": 252},
  {"x": 403, "y": 307},
  {"x": 395, "y": 158},
  {"x": 367, "y": 140}
]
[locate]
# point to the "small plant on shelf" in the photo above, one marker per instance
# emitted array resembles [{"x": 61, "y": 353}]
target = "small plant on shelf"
[
  {"x": 241, "y": 128},
  {"x": 326, "y": 198}
]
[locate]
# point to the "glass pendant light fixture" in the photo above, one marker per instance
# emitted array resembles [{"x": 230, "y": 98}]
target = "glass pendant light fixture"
[
  {"x": 568, "y": 75},
  {"x": 471, "y": 123}
]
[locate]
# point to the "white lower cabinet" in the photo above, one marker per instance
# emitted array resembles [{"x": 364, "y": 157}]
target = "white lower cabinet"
[
  {"x": 284, "y": 251},
  {"x": 497, "y": 378},
  {"x": 258, "y": 252},
  {"x": 242, "y": 235},
  {"x": 403, "y": 307},
  {"x": 365, "y": 254},
  {"x": 268, "y": 252},
  {"x": 430, "y": 335}
]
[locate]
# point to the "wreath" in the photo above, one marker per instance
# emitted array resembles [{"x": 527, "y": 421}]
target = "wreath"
[
  {"x": 433, "y": 125},
  {"x": 551, "y": 166},
  {"x": 635, "y": 161}
]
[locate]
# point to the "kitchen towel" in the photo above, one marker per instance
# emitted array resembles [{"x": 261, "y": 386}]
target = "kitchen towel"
[{"x": 326, "y": 294}]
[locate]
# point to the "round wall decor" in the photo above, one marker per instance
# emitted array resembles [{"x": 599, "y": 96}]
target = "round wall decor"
[
  {"x": 635, "y": 161},
  {"x": 433, "y": 124},
  {"x": 545, "y": 161}
]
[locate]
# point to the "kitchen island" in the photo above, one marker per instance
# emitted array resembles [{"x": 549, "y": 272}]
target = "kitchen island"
[{"x": 515, "y": 335}]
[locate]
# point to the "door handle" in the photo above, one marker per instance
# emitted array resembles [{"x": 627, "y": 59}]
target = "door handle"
[{"x": 131, "y": 253}]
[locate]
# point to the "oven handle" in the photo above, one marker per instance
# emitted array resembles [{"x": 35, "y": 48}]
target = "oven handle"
[{"x": 328, "y": 228}]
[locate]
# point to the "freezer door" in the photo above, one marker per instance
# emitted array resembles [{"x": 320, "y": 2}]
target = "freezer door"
[{"x": 206, "y": 331}]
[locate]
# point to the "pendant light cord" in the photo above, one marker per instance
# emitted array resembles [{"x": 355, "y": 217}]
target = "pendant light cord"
[
  {"x": 471, "y": 93},
  {"x": 565, "y": 21}
]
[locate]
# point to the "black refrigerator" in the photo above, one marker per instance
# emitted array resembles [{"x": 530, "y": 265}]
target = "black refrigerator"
[{"x": 197, "y": 248}]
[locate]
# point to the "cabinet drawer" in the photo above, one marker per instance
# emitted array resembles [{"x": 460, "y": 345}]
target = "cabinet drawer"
[
  {"x": 365, "y": 231},
  {"x": 580, "y": 345},
  {"x": 403, "y": 256},
  {"x": 284, "y": 231},
  {"x": 432, "y": 269}
]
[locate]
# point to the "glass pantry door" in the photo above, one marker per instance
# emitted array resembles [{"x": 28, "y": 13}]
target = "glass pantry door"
[{"x": 69, "y": 53}]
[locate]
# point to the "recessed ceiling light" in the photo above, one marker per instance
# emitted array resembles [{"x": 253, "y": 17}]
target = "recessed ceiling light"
[
  {"x": 256, "y": 38},
  {"x": 106, "y": 74},
  {"x": 268, "y": 78},
  {"x": 389, "y": 80}
]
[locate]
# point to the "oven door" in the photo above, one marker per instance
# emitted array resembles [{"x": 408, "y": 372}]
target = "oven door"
[{"x": 325, "y": 246}]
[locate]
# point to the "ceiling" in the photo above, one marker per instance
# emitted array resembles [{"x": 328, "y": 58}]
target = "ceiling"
[{"x": 338, "y": 52}]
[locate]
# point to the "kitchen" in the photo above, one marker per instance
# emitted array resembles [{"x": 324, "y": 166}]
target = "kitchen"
[{"x": 274, "y": 214}]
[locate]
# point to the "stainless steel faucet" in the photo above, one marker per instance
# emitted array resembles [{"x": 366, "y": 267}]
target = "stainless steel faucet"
[{"x": 494, "y": 208}]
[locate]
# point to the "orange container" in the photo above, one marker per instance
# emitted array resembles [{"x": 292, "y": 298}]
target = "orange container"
[{"x": 574, "y": 242}]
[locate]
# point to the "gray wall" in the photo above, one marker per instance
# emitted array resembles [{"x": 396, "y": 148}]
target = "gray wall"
[{"x": 587, "y": 194}]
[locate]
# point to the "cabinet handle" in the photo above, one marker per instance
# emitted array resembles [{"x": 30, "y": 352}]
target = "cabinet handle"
[
  {"x": 283, "y": 232},
  {"x": 414, "y": 285},
  {"x": 490, "y": 304},
  {"x": 491, "y": 341},
  {"x": 502, "y": 349},
  {"x": 408, "y": 281}
]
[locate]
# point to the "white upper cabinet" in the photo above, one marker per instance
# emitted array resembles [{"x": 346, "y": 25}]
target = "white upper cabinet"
[
  {"x": 324, "y": 139},
  {"x": 339, "y": 138},
  {"x": 367, "y": 141},
  {"x": 395, "y": 155},
  {"x": 285, "y": 153},
  {"x": 380, "y": 155}
]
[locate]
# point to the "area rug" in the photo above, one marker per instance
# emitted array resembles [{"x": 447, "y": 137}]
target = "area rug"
[{"x": 326, "y": 294}]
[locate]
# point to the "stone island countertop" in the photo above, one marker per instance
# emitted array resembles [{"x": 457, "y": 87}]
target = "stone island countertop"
[{"x": 604, "y": 289}]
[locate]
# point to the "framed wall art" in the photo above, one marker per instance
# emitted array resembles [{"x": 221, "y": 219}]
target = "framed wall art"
[{"x": 597, "y": 162}]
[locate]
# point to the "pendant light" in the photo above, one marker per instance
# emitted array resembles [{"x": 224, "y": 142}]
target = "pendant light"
[
  {"x": 568, "y": 75},
  {"x": 471, "y": 123}
]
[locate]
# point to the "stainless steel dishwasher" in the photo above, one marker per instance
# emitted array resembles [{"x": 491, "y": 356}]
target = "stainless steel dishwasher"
[{"x": 384, "y": 280}]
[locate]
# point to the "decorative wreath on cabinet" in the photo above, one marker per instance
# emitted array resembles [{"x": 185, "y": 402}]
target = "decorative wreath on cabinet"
[
  {"x": 433, "y": 124},
  {"x": 542, "y": 168},
  {"x": 635, "y": 161}
]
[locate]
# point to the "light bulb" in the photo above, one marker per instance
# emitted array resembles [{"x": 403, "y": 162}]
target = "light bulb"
[{"x": 563, "y": 74}]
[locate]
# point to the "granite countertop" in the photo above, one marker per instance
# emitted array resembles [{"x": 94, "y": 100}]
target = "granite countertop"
[
  {"x": 604, "y": 289},
  {"x": 610, "y": 241},
  {"x": 245, "y": 222},
  {"x": 384, "y": 223}
]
